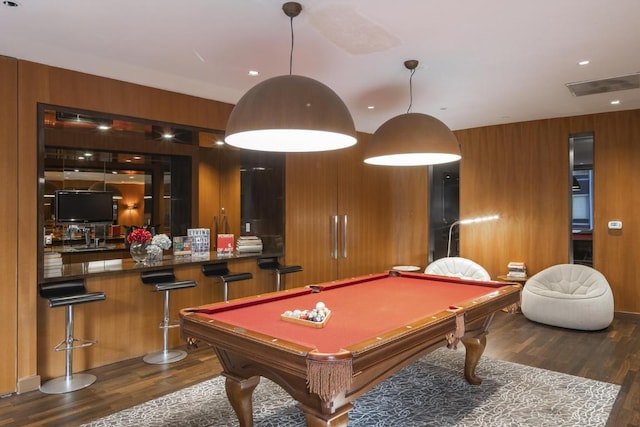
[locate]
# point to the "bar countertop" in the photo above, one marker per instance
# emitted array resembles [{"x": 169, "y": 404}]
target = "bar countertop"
[{"x": 119, "y": 266}]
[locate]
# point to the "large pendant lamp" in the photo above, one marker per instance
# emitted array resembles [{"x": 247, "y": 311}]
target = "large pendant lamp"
[
  {"x": 412, "y": 139},
  {"x": 290, "y": 113}
]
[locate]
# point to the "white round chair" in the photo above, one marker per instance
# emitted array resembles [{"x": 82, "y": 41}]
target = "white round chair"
[
  {"x": 460, "y": 267},
  {"x": 570, "y": 296}
]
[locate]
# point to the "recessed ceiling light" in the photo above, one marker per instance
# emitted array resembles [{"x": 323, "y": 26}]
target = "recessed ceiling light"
[
  {"x": 10, "y": 3},
  {"x": 615, "y": 102},
  {"x": 104, "y": 127},
  {"x": 88, "y": 154},
  {"x": 371, "y": 107},
  {"x": 254, "y": 73},
  {"x": 584, "y": 62},
  {"x": 167, "y": 135}
]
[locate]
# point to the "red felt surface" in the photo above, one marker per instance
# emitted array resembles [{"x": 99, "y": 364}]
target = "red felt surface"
[{"x": 359, "y": 311}]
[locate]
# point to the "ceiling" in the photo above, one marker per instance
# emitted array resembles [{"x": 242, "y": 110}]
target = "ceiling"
[{"x": 481, "y": 62}]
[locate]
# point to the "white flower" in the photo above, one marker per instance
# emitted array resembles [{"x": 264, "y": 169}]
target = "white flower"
[
  {"x": 154, "y": 251},
  {"x": 162, "y": 241}
]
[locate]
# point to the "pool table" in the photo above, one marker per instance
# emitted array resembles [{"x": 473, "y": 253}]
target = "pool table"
[{"x": 378, "y": 324}]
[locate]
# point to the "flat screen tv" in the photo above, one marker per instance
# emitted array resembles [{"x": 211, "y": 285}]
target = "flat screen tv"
[{"x": 84, "y": 207}]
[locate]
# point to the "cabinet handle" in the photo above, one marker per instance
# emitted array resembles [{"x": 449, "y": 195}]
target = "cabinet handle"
[
  {"x": 344, "y": 236},
  {"x": 333, "y": 226}
]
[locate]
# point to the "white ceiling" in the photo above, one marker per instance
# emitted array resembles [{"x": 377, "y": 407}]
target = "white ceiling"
[{"x": 481, "y": 62}]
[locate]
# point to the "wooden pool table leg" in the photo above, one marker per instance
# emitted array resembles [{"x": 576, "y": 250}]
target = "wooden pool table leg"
[
  {"x": 239, "y": 392},
  {"x": 340, "y": 418},
  {"x": 474, "y": 349}
]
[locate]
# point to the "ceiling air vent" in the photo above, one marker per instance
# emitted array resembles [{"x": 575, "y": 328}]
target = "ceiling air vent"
[{"x": 614, "y": 84}]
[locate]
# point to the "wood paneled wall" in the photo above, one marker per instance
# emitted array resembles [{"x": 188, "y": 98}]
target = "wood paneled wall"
[
  {"x": 8, "y": 221},
  {"x": 520, "y": 171}
]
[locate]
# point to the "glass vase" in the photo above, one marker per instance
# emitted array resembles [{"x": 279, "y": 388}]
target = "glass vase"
[
  {"x": 139, "y": 252},
  {"x": 154, "y": 253}
]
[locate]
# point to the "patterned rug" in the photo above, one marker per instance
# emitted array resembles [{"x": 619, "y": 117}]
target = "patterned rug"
[{"x": 430, "y": 392}]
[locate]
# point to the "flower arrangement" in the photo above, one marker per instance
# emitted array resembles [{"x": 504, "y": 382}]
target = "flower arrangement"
[
  {"x": 154, "y": 252},
  {"x": 139, "y": 235},
  {"x": 161, "y": 240}
]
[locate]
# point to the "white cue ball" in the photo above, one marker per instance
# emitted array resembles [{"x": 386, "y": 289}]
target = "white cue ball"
[{"x": 320, "y": 306}]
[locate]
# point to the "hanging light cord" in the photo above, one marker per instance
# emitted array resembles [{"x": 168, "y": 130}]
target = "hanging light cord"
[
  {"x": 291, "y": 53},
  {"x": 410, "y": 91}
]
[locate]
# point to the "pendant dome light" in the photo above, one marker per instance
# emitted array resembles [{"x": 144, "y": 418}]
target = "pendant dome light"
[
  {"x": 412, "y": 139},
  {"x": 290, "y": 113}
]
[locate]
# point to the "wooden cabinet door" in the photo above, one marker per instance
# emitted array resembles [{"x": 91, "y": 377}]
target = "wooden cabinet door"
[
  {"x": 310, "y": 205},
  {"x": 338, "y": 216},
  {"x": 364, "y": 203}
]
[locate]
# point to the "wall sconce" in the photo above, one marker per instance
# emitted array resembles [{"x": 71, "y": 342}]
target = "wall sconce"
[
  {"x": 130, "y": 206},
  {"x": 468, "y": 221}
]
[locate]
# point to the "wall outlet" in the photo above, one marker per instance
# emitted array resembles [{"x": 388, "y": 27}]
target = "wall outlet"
[{"x": 615, "y": 225}]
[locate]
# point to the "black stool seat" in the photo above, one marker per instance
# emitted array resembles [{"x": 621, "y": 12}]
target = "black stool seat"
[
  {"x": 76, "y": 299},
  {"x": 67, "y": 294},
  {"x": 183, "y": 284},
  {"x": 272, "y": 263},
  {"x": 165, "y": 281},
  {"x": 221, "y": 270}
]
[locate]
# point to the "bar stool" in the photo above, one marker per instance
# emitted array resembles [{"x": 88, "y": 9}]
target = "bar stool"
[
  {"x": 165, "y": 281},
  {"x": 221, "y": 270},
  {"x": 271, "y": 263},
  {"x": 67, "y": 294}
]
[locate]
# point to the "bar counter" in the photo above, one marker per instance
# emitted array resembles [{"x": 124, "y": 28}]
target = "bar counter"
[
  {"x": 116, "y": 266},
  {"x": 126, "y": 323}
]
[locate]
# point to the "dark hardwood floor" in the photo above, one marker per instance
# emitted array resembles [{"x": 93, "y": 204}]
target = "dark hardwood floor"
[{"x": 612, "y": 355}]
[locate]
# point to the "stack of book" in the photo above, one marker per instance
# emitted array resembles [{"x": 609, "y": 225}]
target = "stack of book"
[
  {"x": 52, "y": 262},
  {"x": 517, "y": 270},
  {"x": 247, "y": 244},
  {"x": 200, "y": 241}
]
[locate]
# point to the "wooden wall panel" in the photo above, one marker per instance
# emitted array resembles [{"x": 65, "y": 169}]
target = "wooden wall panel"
[
  {"x": 520, "y": 172},
  {"x": 617, "y": 177},
  {"x": 33, "y": 86},
  {"x": 8, "y": 220},
  {"x": 409, "y": 228}
]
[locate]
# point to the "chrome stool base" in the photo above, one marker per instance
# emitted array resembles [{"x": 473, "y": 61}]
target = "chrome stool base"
[
  {"x": 164, "y": 356},
  {"x": 66, "y": 384}
]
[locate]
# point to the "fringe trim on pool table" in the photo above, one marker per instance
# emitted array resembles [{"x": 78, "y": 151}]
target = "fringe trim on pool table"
[{"x": 328, "y": 378}]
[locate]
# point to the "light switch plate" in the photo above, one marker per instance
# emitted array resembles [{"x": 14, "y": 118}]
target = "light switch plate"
[{"x": 615, "y": 225}]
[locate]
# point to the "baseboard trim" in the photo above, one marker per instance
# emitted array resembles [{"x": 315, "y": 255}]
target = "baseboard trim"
[{"x": 28, "y": 384}]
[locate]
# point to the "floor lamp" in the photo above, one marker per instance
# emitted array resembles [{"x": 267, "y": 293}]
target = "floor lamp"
[{"x": 468, "y": 221}]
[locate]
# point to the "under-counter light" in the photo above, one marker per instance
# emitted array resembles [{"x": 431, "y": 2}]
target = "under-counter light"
[
  {"x": 290, "y": 113},
  {"x": 412, "y": 139}
]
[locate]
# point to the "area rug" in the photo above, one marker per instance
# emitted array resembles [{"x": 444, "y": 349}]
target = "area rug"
[{"x": 430, "y": 392}]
